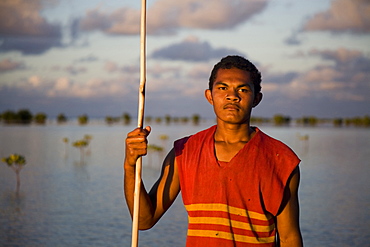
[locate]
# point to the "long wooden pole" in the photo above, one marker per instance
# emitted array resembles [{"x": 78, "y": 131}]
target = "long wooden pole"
[{"x": 135, "y": 220}]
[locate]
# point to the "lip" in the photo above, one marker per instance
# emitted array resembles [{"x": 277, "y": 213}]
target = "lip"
[{"x": 231, "y": 106}]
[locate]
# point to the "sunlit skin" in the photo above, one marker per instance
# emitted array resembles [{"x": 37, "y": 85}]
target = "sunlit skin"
[{"x": 232, "y": 98}]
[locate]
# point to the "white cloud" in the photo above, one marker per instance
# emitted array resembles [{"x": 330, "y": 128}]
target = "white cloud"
[
  {"x": 270, "y": 87},
  {"x": 208, "y": 14},
  {"x": 321, "y": 75},
  {"x": 343, "y": 79},
  {"x": 341, "y": 54},
  {"x": 343, "y": 15},
  {"x": 62, "y": 84},
  {"x": 22, "y": 17},
  {"x": 192, "y": 49},
  {"x": 201, "y": 71},
  {"x": 165, "y": 16},
  {"x": 347, "y": 79},
  {"x": 110, "y": 66},
  {"x": 97, "y": 88},
  {"x": 35, "y": 81},
  {"x": 23, "y": 28},
  {"x": 10, "y": 65}
]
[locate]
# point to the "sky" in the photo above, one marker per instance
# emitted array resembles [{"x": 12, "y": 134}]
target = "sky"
[{"x": 83, "y": 57}]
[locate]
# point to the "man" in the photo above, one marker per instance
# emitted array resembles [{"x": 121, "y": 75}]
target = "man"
[{"x": 239, "y": 186}]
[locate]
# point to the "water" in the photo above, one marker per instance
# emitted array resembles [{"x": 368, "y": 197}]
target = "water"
[{"x": 63, "y": 202}]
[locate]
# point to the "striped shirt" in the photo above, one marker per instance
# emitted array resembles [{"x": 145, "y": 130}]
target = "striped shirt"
[{"x": 233, "y": 203}]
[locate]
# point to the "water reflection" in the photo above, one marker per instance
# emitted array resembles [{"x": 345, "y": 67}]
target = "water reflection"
[
  {"x": 65, "y": 202},
  {"x": 12, "y": 205},
  {"x": 14, "y": 202},
  {"x": 302, "y": 144}
]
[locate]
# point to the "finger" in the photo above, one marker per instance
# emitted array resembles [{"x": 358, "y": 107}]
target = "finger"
[
  {"x": 135, "y": 132},
  {"x": 136, "y": 146},
  {"x": 148, "y": 129}
]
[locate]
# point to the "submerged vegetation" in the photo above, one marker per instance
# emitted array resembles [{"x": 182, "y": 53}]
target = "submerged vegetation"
[
  {"x": 312, "y": 121},
  {"x": 82, "y": 145},
  {"x": 25, "y": 117},
  {"x": 16, "y": 162}
]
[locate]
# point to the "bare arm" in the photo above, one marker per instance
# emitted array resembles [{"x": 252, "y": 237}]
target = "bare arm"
[
  {"x": 288, "y": 219},
  {"x": 163, "y": 193}
]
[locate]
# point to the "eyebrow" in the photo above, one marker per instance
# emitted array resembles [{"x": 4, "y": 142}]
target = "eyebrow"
[{"x": 220, "y": 83}]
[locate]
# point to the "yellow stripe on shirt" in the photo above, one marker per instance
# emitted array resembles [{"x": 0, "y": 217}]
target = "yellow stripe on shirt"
[
  {"x": 230, "y": 236},
  {"x": 233, "y": 223},
  {"x": 226, "y": 208}
]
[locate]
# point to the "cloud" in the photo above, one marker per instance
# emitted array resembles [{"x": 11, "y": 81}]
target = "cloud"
[
  {"x": 22, "y": 18},
  {"x": 10, "y": 65},
  {"x": 336, "y": 89},
  {"x": 168, "y": 87},
  {"x": 34, "y": 81},
  {"x": 280, "y": 78},
  {"x": 70, "y": 69},
  {"x": 166, "y": 16},
  {"x": 201, "y": 71},
  {"x": 209, "y": 14},
  {"x": 29, "y": 45},
  {"x": 22, "y": 28},
  {"x": 92, "y": 88},
  {"x": 350, "y": 73},
  {"x": 343, "y": 16},
  {"x": 346, "y": 80},
  {"x": 339, "y": 88},
  {"x": 191, "y": 49},
  {"x": 340, "y": 55},
  {"x": 96, "y": 96},
  {"x": 160, "y": 71},
  {"x": 87, "y": 59},
  {"x": 293, "y": 39},
  {"x": 95, "y": 19},
  {"x": 74, "y": 70},
  {"x": 111, "y": 66}
]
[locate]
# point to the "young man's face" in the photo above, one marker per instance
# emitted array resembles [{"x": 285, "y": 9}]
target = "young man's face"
[{"x": 233, "y": 96}]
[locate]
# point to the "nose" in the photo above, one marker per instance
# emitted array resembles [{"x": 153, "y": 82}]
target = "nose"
[{"x": 233, "y": 95}]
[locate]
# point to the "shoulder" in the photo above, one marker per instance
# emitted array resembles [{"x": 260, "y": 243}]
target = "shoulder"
[
  {"x": 196, "y": 138},
  {"x": 272, "y": 145},
  {"x": 278, "y": 162},
  {"x": 275, "y": 156},
  {"x": 267, "y": 139}
]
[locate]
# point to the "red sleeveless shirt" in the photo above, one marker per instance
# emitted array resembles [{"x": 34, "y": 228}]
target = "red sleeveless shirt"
[{"x": 233, "y": 203}]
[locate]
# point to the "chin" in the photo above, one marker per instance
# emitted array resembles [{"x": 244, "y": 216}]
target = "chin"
[{"x": 229, "y": 120}]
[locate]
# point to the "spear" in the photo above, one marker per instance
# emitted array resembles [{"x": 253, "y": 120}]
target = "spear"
[{"x": 135, "y": 219}]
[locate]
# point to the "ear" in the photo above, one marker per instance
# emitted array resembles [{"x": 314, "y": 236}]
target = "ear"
[
  {"x": 208, "y": 95},
  {"x": 257, "y": 99}
]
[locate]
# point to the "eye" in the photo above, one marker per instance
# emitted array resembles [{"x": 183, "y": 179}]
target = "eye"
[{"x": 222, "y": 88}]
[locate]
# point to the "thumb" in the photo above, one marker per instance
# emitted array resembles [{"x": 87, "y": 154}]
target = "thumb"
[{"x": 148, "y": 129}]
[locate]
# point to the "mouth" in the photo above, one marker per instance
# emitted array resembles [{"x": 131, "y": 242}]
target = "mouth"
[{"x": 231, "y": 106}]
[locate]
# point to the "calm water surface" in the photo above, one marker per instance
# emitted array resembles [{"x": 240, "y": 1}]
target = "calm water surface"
[{"x": 66, "y": 202}]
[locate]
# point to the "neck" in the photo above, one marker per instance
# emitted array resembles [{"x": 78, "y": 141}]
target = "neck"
[{"x": 233, "y": 133}]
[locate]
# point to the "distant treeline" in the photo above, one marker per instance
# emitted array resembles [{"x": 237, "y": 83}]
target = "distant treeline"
[
  {"x": 281, "y": 120},
  {"x": 24, "y": 116}
]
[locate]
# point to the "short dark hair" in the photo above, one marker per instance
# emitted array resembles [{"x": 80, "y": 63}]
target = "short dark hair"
[{"x": 238, "y": 62}]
